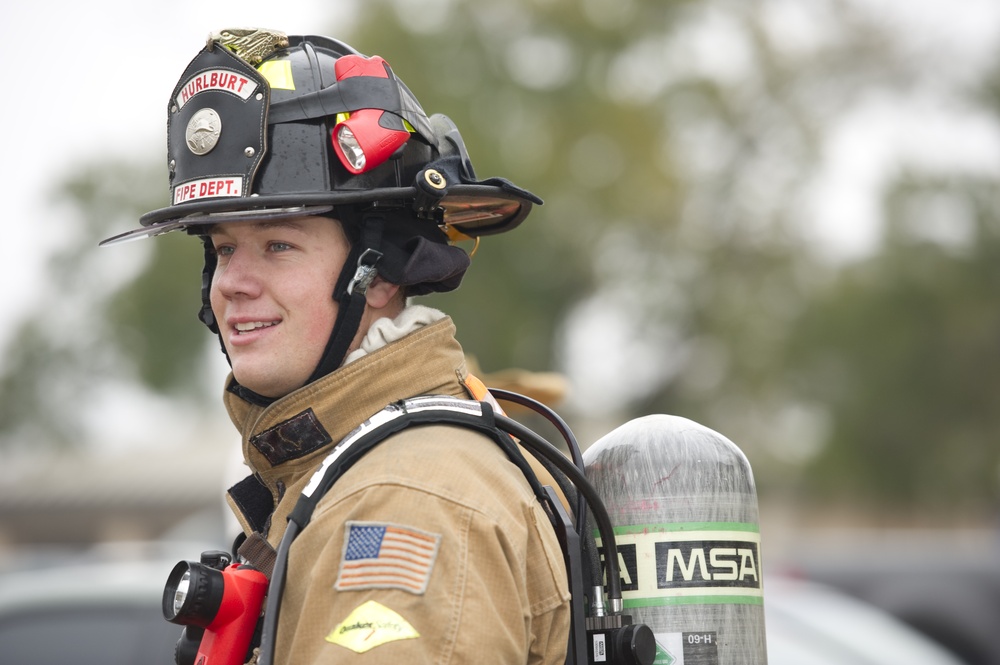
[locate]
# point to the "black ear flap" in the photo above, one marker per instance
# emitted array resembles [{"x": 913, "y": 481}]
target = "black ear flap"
[{"x": 205, "y": 314}]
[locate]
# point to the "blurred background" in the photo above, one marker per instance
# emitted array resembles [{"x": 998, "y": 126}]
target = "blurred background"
[{"x": 777, "y": 218}]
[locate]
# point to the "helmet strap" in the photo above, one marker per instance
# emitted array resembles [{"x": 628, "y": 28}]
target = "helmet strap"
[{"x": 349, "y": 292}]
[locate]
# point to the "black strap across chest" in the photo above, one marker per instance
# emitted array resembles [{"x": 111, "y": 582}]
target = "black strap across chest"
[{"x": 394, "y": 418}]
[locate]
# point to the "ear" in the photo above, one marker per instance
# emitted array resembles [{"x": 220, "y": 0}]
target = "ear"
[{"x": 380, "y": 293}]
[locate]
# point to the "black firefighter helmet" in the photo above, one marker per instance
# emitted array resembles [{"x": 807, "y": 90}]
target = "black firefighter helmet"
[{"x": 263, "y": 126}]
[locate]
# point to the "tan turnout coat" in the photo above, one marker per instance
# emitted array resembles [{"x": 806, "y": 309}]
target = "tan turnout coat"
[{"x": 480, "y": 577}]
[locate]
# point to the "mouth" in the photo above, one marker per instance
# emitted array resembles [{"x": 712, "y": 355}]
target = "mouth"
[{"x": 250, "y": 326}]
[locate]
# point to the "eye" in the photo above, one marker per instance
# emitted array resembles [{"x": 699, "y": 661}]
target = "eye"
[
  {"x": 279, "y": 246},
  {"x": 223, "y": 250}
]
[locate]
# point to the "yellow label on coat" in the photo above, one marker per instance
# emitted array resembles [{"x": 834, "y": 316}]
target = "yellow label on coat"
[{"x": 370, "y": 625}]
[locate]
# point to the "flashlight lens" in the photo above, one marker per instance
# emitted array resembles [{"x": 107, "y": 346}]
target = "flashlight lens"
[
  {"x": 193, "y": 594},
  {"x": 181, "y": 593},
  {"x": 351, "y": 148}
]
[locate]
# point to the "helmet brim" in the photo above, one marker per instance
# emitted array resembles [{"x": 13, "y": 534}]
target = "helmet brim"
[{"x": 471, "y": 210}]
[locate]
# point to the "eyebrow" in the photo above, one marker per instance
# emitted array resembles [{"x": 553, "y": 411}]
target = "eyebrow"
[{"x": 260, "y": 226}]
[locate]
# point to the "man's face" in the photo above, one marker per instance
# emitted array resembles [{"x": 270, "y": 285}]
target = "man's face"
[{"x": 272, "y": 294}]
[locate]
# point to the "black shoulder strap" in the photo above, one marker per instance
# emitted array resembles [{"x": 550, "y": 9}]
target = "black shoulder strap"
[{"x": 396, "y": 417}]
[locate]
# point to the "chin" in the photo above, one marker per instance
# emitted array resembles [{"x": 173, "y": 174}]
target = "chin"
[{"x": 261, "y": 385}]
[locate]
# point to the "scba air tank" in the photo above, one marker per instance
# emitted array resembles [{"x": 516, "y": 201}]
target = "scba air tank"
[{"x": 683, "y": 504}]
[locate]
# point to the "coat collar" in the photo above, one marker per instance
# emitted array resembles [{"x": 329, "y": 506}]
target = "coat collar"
[{"x": 284, "y": 441}]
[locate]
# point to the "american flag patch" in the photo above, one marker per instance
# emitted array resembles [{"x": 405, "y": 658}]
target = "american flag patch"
[{"x": 386, "y": 556}]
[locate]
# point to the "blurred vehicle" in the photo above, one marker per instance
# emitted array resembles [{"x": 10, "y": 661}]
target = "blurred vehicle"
[
  {"x": 87, "y": 614},
  {"x": 944, "y": 584},
  {"x": 109, "y": 614},
  {"x": 812, "y": 624}
]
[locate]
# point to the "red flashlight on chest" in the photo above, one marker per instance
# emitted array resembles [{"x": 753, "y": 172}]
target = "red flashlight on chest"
[{"x": 219, "y": 604}]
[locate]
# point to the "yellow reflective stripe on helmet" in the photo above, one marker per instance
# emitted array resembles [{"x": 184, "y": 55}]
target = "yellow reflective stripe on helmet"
[{"x": 278, "y": 74}]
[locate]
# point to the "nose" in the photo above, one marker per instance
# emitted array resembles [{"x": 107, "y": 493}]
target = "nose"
[{"x": 237, "y": 275}]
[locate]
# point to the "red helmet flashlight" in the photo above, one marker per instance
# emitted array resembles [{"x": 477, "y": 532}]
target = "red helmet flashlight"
[{"x": 367, "y": 137}]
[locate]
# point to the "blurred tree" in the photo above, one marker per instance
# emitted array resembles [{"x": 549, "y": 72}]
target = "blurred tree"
[
  {"x": 904, "y": 350},
  {"x": 674, "y": 143},
  {"x": 102, "y": 316},
  {"x": 748, "y": 120}
]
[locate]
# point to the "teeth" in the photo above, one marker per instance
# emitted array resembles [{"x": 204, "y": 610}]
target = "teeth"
[{"x": 253, "y": 325}]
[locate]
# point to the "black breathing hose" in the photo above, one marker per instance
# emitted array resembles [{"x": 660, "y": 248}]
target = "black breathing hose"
[
  {"x": 539, "y": 445},
  {"x": 564, "y": 431}
]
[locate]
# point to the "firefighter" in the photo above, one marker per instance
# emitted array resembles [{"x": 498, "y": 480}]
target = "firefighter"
[{"x": 326, "y": 199}]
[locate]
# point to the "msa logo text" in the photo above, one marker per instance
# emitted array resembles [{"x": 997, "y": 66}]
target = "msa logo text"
[{"x": 707, "y": 563}]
